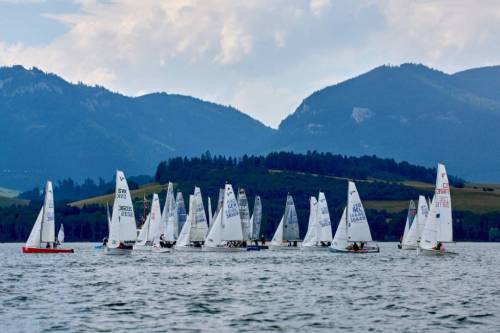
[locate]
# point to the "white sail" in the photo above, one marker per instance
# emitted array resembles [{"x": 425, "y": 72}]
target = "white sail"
[
  {"x": 156, "y": 227},
  {"x": 109, "y": 216},
  {"x": 60, "y": 234},
  {"x": 430, "y": 232},
  {"x": 256, "y": 218},
  {"x": 324, "y": 223},
  {"x": 199, "y": 226},
  {"x": 123, "y": 227},
  {"x": 180, "y": 216},
  {"x": 312, "y": 228},
  {"x": 183, "y": 239},
  {"x": 34, "y": 240},
  {"x": 442, "y": 203},
  {"x": 244, "y": 214},
  {"x": 422, "y": 213},
  {"x": 340, "y": 238},
  {"x": 231, "y": 221},
  {"x": 214, "y": 237},
  {"x": 357, "y": 224},
  {"x": 291, "y": 222},
  {"x": 410, "y": 218},
  {"x": 210, "y": 216},
  {"x": 168, "y": 217},
  {"x": 278, "y": 234},
  {"x": 48, "y": 222},
  {"x": 143, "y": 236}
]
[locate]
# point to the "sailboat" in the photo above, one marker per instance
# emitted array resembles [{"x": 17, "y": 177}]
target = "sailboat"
[
  {"x": 169, "y": 225},
  {"x": 286, "y": 236},
  {"x": 319, "y": 231},
  {"x": 406, "y": 243},
  {"x": 44, "y": 229},
  {"x": 353, "y": 227},
  {"x": 412, "y": 238},
  {"x": 438, "y": 227},
  {"x": 122, "y": 231},
  {"x": 195, "y": 229},
  {"x": 226, "y": 234}
]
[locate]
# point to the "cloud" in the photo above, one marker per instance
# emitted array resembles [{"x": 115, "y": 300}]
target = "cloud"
[{"x": 261, "y": 56}]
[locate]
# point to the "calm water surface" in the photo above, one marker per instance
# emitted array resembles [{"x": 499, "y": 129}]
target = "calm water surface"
[{"x": 249, "y": 292}]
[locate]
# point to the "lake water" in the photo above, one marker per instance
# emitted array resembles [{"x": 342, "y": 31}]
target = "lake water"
[{"x": 250, "y": 292}]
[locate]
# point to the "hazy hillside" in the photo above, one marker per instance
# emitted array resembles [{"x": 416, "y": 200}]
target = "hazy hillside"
[
  {"x": 409, "y": 112},
  {"x": 51, "y": 128}
]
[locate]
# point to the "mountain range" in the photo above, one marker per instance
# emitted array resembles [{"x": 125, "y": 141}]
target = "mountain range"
[{"x": 54, "y": 129}]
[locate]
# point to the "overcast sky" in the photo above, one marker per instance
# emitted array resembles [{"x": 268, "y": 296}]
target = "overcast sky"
[{"x": 261, "y": 56}]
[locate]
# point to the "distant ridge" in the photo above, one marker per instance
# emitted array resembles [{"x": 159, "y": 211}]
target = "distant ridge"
[
  {"x": 408, "y": 112},
  {"x": 55, "y": 129}
]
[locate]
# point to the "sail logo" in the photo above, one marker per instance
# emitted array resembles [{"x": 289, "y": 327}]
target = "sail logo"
[
  {"x": 357, "y": 214},
  {"x": 121, "y": 193},
  {"x": 232, "y": 209}
]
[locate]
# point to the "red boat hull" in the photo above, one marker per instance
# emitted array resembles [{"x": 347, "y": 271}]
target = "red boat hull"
[{"x": 44, "y": 250}]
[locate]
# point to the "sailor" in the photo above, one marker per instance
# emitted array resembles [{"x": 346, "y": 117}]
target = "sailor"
[
  {"x": 262, "y": 240},
  {"x": 439, "y": 246},
  {"x": 104, "y": 241},
  {"x": 355, "y": 246},
  {"x": 362, "y": 245}
]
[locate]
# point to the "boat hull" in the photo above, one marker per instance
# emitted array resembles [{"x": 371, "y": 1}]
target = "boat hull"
[
  {"x": 142, "y": 248},
  {"x": 283, "y": 248},
  {"x": 366, "y": 250},
  {"x": 314, "y": 248},
  {"x": 45, "y": 250},
  {"x": 432, "y": 252},
  {"x": 409, "y": 247},
  {"x": 156, "y": 249},
  {"x": 223, "y": 249},
  {"x": 187, "y": 249},
  {"x": 117, "y": 251}
]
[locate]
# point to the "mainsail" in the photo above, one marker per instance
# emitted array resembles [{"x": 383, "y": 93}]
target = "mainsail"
[
  {"x": 231, "y": 221},
  {"x": 312, "y": 229},
  {"x": 157, "y": 229},
  {"x": 290, "y": 223},
  {"x": 48, "y": 223},
  {"x": 168, "y": 217},
  {"x": 199, "y": 226},
  {"x": 422, "y": 213},
  {"x": 442, "y": 203},
  {"x": 324, "y": 224},
  {"x": 256, "y": 218},
  {"x": 123, "y": 227},
  {"x": 180, "y": 208},
  {"x": 357, "y": 224},
  {"x": 244, "y": 214}
]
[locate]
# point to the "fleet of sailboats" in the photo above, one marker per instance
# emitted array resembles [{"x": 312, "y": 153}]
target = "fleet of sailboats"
[{"x": 231, "y": 228}]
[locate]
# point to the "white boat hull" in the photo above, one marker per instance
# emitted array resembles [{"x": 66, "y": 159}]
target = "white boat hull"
[
  {"x": 117, "y": 251},
  {"x": 408, "y": 247},
  {"x": 187, "y": 249},
  {"x": 364, "y": 250},
  {"x": 156, "y": 249},
  {"x": 143, "y": 248},
  {"x": 223, "y": 249},
  {"x": 283, "y": 248},
  {"x": 432, "y": 252},
  {"x": 314, "y": 248}
]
